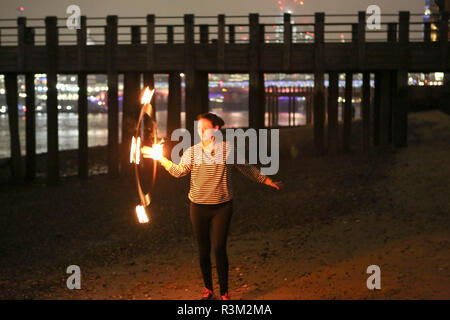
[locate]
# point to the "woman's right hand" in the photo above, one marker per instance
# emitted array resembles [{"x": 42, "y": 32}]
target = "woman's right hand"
[{"x": 155, "y": 152}]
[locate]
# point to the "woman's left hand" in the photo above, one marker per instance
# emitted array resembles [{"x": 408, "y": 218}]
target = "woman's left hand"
[{"x": 277, "y": 185}]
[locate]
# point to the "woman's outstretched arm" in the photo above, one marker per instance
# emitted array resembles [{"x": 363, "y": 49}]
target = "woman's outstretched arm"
[
  {"x": 181, "y": 169},
  {"x": 254, "y": 174}
]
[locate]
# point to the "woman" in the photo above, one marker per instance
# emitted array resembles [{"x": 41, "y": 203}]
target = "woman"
[{"x": 211, "y": 196}]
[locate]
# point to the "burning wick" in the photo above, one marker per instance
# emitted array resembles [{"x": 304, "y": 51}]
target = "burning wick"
[
  {"x": 135, "y": 151},
  {"x": 147, "y": 96},
  {"x": 141, "y": 214}
]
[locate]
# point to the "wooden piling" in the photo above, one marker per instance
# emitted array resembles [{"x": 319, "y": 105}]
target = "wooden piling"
[
  {"x": 231, "y": 34},
  {"x": 385, "y": 108},
  {"x": 256, "y": 83},
  {"x": 347, "y": 114},
  {"x": 83, "y": 167},
  {"x": 13, "y": 120},
  {"x": 51, "y": 40},
  {"x": 150, "y": 41},
  {"x": 361, "y": 36},
  {"x": 332, "y": 109},
  {"x": 319, "y": 99},
  {"x": 365, "y": 112},
  {"x": 204, "y": 33},
  {"x": 113, "y": 103},
  {"x": 377, "y": 110},
  {"x": 131, "y": 107},
  {"x": 287, "y": 41},
  {"x": 221, "y": 43},
  {"x": 30, "y": 115},
  {"x": 174, "y": 104},
  {"x": 189, "y": 74},
  {"x": 400, "y": 115}
]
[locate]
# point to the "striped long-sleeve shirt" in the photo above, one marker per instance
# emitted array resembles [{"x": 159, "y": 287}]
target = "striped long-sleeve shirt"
[{"x": 210, "y": 173}]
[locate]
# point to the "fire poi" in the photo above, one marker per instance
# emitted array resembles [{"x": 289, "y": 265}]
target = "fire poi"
[{"x": 135, "y": 154}]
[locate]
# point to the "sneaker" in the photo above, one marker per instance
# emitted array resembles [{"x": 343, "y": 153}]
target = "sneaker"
[
  {"x": 208, "y": 295},
  {"x": 225, "y": 296}
]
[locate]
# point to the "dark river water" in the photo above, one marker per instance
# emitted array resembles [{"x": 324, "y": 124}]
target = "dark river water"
[{"x": 97, "y": 128}]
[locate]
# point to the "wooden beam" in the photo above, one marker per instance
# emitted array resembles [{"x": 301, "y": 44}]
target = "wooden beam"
[
  {"x": 150, "y": 41},
  {"x": 385, "y": 108},
  {"x": 170, "y": 34},
  {"x": 392, "y": 32},
  {"x": 131, "y": 107},
  {"x": 309, "y": 104},
  {"x": 400, "y": 115},
  {"x": 21, "y": 26},
  {"x": 221, "y": 43},
  {"x": 30, "y": 119},
  {"x": 130, "y": 114},
  {"x": 174, "y": 104},
  {"x": 201, "y": 78},
  {"x": 135, "y": 34},
  {"x": 113, "y": 103},
  {"x": 319, "y": 88},
  {"x": 204, "y": 33},
  {"x": 361, "y": 39},
  {"x": 256, "y": 83},
  {"x": 443, "y": 39},
  {"x": 427, "y": 32},
  {"x": 149, "y": 81},
  {"x": 365, "y": 112},
  {"x": 355, "y": 32},
  {"x": 83, "y": 166},
  {"x": 202, "y": 90},
  {"x": 51, "y": 40},
  {"x": 347, "y": 114},
  {"x": 13, "y": 119},
  {"x": 377, "y": 109},
  {"x": 191, "y": 106},
  {"x": 231, "y": 34},
  {"x": 287, "y": 41},
  {"x": 333, "y": 128}
]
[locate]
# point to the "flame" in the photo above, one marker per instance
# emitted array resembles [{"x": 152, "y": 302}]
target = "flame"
[
  {"x": 147, "y": 96},
  {"x": 141, "y": 214},
  {"x": 133, "y": 149},
  {"x": 138, "y": 150}
]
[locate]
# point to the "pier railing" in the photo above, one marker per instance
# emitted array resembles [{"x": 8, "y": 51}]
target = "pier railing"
[{"x": 235, "y": 29}]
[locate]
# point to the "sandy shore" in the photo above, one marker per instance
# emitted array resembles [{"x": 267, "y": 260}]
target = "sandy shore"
[{"x": 312, "y": 240}]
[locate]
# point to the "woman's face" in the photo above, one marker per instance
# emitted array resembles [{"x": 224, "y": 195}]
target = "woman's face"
[{"x": 205, "y": 129}]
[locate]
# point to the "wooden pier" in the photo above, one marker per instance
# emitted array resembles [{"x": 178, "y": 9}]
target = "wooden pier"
[{"x": 229, "y": 44}]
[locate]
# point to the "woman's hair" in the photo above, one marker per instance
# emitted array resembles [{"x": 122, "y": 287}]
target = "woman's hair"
[{"x": 215, "y": 119}]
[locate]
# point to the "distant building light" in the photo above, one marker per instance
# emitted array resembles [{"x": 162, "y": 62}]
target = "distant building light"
[{"x": 439, "y": 76}]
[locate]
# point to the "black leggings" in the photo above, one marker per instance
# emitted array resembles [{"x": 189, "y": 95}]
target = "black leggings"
[{"x": 219, "y": 215}]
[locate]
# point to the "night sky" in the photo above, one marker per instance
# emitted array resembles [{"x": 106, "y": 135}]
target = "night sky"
[{"x": 100, "y": 8}]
